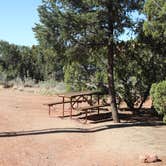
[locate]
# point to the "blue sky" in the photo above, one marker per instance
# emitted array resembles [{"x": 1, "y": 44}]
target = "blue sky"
[{"x": 17, "y": 17}]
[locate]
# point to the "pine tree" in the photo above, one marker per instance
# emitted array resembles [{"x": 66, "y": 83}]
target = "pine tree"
[{"x": 84, "y": 27}]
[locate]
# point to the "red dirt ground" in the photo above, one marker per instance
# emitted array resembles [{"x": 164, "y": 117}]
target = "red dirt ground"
[{"x": 52, "y": 141}]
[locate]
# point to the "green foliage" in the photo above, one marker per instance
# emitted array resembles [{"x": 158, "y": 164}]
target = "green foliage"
[
  {"x": 155, "y": 26},
  {"x": 80, "y": 29},
  {"x": 85, "y": 76},
  {"x": 158, "y": 94},
  {"x": 76, "y": 77},
  {"x": 37, "y": 63},
  {"x": 164, "y": 118},
  {"x": 47, "y": 65},
  {"x": 149, "y": 53},
  {"x": 78, "y": 42},
  {"x": 136, "y": 70},
  {"x": 153, "y": 91},
  {"x": 2, "y": 77},
  {"x": 9, "y": 59},
  {"x": 156, "y": 16}
]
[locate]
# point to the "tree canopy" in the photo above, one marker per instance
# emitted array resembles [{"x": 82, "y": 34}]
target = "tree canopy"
[{"x": 84, "y": 27}]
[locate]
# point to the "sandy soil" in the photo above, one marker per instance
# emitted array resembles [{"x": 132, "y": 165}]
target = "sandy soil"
[{"x": 52, "y": 141}]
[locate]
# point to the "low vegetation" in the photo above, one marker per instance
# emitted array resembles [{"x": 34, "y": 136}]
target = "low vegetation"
[{"x": 158, "y": 94}]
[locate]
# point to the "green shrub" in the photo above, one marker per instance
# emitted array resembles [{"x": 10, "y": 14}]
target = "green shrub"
[
  {"x": 158, "y": 95},
  {"x": 152, "y": 91},
  {"x": 164, "y": 118}
]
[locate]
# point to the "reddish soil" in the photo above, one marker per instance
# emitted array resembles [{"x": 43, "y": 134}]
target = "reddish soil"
[{"x": 29, "y": 137}]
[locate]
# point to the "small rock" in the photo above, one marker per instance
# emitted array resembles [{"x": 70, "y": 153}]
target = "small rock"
[{"x": 149, "y": 158}]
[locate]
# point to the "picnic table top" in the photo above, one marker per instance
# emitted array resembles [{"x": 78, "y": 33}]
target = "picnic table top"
[{"x": 82, "y": 93}]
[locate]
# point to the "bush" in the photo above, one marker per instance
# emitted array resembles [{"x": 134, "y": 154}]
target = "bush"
[
  {"x": 51, "y": 87},
  {"x": 29, "y": 82},
  {"x": 48, "y": 84},
  {"x": 164, "y": 118},
  {"x": 158, "y": 94}
]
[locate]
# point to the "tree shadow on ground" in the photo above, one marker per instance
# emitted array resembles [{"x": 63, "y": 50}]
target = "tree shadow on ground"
[
  {"x": 125, "y": 115},
  {"x": 77, "y": 130},
  {"x": 128, "y": 120}
]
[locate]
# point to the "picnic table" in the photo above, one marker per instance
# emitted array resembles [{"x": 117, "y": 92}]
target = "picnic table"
[{"x": 74, "y": 98}]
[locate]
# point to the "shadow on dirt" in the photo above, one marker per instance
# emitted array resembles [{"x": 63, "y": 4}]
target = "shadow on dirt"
[
  {"x": 126, "y": 116},
  {"x": 143, "y": 119},
  {"x": 78, "y": 130}
]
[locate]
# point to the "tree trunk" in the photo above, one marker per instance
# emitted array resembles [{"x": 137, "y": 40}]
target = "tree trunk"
[
  {"x": 145, "y": 97},
  {"x": 111, "y": 84},
  {"x": 110, "y": 56}
]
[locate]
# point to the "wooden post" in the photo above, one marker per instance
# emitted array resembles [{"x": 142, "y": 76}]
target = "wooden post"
[
  {"x": 98, "y": 102},
  {"x": 71, "y": 107},
  {"x": 86, "y": 114},
  {"x": 49, "y": 110},
  {"x": 77, "y": 104},
  {"x": 63, "y": 100}
]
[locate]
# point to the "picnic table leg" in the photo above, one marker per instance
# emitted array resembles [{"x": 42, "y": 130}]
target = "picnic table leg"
[
  {"x": 71, "y": 108},
  {"x": 49, "y": 110},
  {"x": 86, "y": 114},
  {"x": 91, "y": 99},
  {"x": 63, "y": 107},
  {"x": 98, "y": 101},
  {"x": 77, "y": 105}
]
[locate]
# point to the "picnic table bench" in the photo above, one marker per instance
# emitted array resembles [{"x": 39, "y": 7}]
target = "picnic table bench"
[
  {"x": 86, "y": 108},
  {"x": 50, "y": 105}
]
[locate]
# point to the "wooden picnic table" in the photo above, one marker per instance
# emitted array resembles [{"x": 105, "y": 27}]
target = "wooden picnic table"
[{"x": 74, "y": 98}]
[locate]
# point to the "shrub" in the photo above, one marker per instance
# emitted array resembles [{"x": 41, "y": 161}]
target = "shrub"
[
  {"x": 164, "y": 118},
  {"x": 29, "y": 82},
  {"x": 51, "y": 87},
  {"x": 47, "y": 84},
  {"x": 158, "y": 94}
]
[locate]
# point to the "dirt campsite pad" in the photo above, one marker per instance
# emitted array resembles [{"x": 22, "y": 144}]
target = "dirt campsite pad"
[{"x": 29, "y": 137}]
